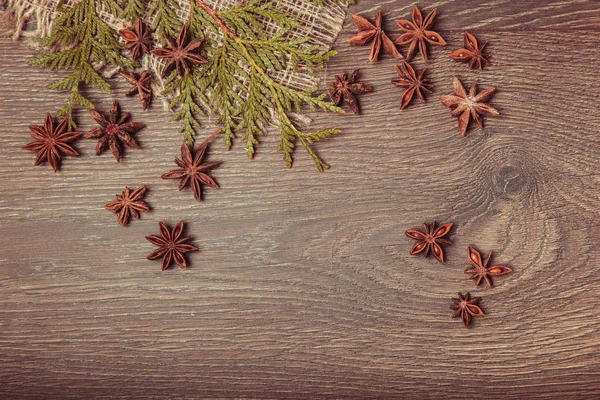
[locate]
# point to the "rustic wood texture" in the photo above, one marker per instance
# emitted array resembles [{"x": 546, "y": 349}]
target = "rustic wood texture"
[{"x": 304, "y": 287}]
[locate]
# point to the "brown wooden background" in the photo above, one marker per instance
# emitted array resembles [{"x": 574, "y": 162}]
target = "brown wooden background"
[{"x": 304, "y": 287}]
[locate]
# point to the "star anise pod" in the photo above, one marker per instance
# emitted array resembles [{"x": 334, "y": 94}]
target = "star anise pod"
[
  {"x": 417, "y": 33},
  {"x": 346, "y": 90},
  {"x": 180, "y": 54},
  {"x": 129, "y": 204},
  {"x": 466, "y": 106},
  {"x": 171, "y": 246},
  {"x": 114, "y": 131},
  {"x": 480, "y": 271},
  {"x": 192, "y": 170},
  {"x": 138, "y": 40},
  {"x": 142, "y": 86},
  {"x": 369, "y": 33},
  {"x": 407, "y": 78},
  {"x": 430, "y": 240},
  {"x": 52, "y": 142},
  {"x": 473, "y": 53},
  {"x": 466, "y": 308}
]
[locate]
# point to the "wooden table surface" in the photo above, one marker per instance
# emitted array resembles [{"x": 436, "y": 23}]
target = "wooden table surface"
[{"x": 304, "y": 287}]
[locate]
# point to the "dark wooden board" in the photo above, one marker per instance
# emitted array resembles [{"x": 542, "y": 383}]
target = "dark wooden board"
[{"x": 304, "y": 287}]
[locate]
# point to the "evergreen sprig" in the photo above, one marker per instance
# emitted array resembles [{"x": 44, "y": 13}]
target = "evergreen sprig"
[
  {"x": 190, "y": 103},
  {"x": 133, "y": 9},
  {"x": 239, "y": 79},
  {"x": 164, "y": 17},
  {"x": 82, "y": 43}
]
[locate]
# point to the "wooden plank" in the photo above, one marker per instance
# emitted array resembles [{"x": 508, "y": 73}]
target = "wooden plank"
[{"x": 304, "y": 287}]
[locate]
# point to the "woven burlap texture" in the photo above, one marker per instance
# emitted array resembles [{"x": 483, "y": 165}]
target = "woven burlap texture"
[{"x": 321, "y": 24}]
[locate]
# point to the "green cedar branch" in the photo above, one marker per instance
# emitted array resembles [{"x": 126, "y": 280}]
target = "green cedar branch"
[
  {"x": 264, "y": 92},
  {"x": 189, "y": 103},
  {"x": 133, "y": 9},
  {"x": 164, "y": 18},
  {"x": 80, "y": 42}
]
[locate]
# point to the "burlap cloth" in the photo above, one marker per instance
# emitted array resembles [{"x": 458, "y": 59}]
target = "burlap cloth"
[{"x": 32, "y": 19}]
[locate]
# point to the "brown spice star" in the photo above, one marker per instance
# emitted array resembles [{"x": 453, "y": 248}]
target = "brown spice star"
[
  {"x": 417, "y": 33},
  {"x": 171, "y": 246},
  {"x": 430, "y": 239},
  {"x": 138, "y": 40},
  {"x": 480, "y": 271},
  {"x": 192, "y": 170},
  {"x": 346, "y": 90},
  {"x": 52, "y": 142},
  {"x": 114, "y": 131},
  {"x": 129, "y": 204},
  {"x": 142, "y": 86},
  {"x": 466, "y": 308},
  {"x": 472, "y": 53},
  {"x": 180, "y": 54},
  {"x": 369, "y": 33},
  {"x": 407, "y": 78},
  {"x": 466, "y": 106}
]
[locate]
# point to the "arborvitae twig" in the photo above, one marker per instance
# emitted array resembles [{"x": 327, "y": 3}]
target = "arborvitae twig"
[
  {"x": 250, "y": 103},
  {"x": 85, "y": 44},
  {"x": 133, "y": 9}
]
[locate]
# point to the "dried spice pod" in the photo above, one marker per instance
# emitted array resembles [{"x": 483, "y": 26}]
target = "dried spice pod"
[
  {"x": 466, "y": 308},
  {"x": 192, "y": 168},
  {"x": 471, "y": 53},
  {"x": 142, "y": 86},
  {"x": 180, "y": 54},
  {"x": 418, "y": 33},
  {"x": 171, "y": 246},
  {"x": 469, "y": 106},
  {"x": 346, "y": 90},
  {"x": 114, "y": 131},
  {"x": 430, "y": 240},
  {"x": 480, "y": 271},
  {"x": 408, "y": 79},
  {"x": 374, "y": 34},
  {"x": 52, "y": 142},
  {"x": 138, "y": 41},
  {"x": 128, "y": 204}
]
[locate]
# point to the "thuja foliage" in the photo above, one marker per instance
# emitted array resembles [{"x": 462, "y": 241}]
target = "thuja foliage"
[
  {"x": 82, "y": 43},
  {"x": 132, "y": 9},
  {"x": 164, "y": 18},
  {"x": 239, "y": 84}
]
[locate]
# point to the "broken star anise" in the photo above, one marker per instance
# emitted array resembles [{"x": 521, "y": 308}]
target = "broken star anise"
[
  {"x": 114, "y": 131},
  {"x": 52, "y": 142},
  {"x": 466, "y": 308},
  {"x": 369, "y": 33},
  {"x": 430, "y": 240},
  {"x": 192, "y": 170},
  {"x": 407, "y": 78},
  {"x": 480, "y": 271},
  {"x": 179, "y": 54},
  {"x": 466, "y": 106},
  {"x": 473, "y": 53},
  {"x": 417, "y": 33},
  {"x": 171, "y": 246},
  {"x": 142, "y": 86},
  {"x": 346, "y": 90},
  {"x": 138, "y": 40},
  {"x": 128, "y": 204}
]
